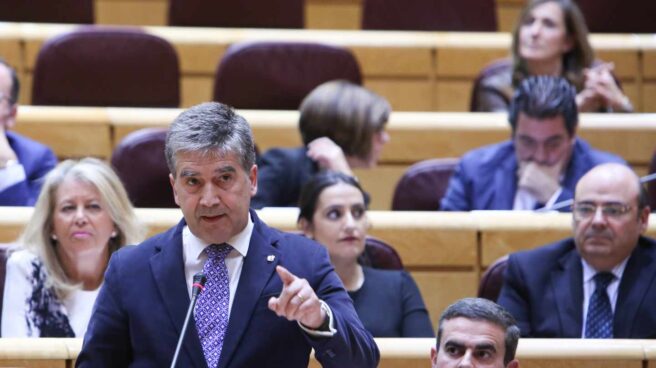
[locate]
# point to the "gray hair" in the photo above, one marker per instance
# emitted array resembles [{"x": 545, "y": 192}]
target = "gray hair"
[
  {"x": 479, "y": 309},
  {"x": 210, "y": 128},
  {"x": 37, "y": 234}
]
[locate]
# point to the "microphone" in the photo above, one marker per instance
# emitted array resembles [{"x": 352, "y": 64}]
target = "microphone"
[
  {"x": 196, "y": 288},
  {"x": 569, "y": 202}
]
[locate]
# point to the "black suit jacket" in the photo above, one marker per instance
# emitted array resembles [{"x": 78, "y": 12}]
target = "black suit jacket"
[
  {"x": 543, "y": 290},
  {"x": 141, "y": 307}
]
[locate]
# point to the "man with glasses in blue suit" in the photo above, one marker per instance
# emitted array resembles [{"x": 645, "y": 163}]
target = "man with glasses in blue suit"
[{"x": 602, "y": 282}]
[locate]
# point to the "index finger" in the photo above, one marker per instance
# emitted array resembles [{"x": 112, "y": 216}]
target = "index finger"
[{"x": 286, "y": 276}]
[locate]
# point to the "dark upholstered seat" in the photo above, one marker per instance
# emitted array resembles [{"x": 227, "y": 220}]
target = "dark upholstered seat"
[
  {"x": 492, "y": 68},
  {"x": 140, "y": 163},
  {"x": 492, "y": 280},
  {"x": 103, "y": 66},
  {"x": 378, "y": 254},
  {"x": 47, "y": 11},
  {"x": 651, "y": 186},
  {"x": 237, "y": 13},
  {"x": 278, "y": 75},
  {"x": 619, "y": 16},
  {"x": 423, "y": 185},
  {"x": 430, "y": 15}
]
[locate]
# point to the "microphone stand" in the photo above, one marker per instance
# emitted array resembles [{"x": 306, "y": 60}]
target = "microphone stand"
[{"x": 196, "y": 288}]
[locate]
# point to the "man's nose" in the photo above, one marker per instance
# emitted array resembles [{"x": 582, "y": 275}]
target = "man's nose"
[
  {"x": 541, "y": 155},
  {"x": 210, "y": 196},
  {"x": 598, "y": 219},
  {"x": 466, "y": 361}
]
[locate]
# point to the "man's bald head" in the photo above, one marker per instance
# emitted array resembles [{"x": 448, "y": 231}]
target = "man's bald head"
[{"x": 610, "y": 213}]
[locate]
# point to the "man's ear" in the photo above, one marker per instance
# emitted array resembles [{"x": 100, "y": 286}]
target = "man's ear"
[
  {"x": 433, "y": 357},
  {"x": 252, "y": 176},
  {"x": 175, "y": 192},
  {"x": 10, "y": 119},
  {"x": 306, "y": 227},
  {"x": 513, "y": 364}
]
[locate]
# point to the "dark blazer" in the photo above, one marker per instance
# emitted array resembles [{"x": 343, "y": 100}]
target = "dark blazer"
[
  {"x": 141, "y": 307},
  {"x": 543, "y": 290},
  {"x": 281, "y": 175},
  {"x": 486, "y": 178},
  {"x": 37, "y": 161}
]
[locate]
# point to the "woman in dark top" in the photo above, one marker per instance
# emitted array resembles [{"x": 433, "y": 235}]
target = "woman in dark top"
[
  {"x": 333, "y": 212},
  {"x": 551, "y": 38},
  {"x": 343, "y": 128}
]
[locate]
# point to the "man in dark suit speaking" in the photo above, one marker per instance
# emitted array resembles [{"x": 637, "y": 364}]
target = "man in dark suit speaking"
[
  {"x": 270, "y": 297},
  {"x": 602, "y": 282}
]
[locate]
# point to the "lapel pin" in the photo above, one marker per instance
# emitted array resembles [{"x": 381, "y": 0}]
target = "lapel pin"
[{"x": 270, "y": 258}]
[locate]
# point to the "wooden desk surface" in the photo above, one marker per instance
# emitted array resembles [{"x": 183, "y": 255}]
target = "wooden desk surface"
[{"x": 414, "y": 70}]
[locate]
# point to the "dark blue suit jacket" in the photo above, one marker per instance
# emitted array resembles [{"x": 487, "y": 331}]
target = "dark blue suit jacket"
[
  {"x": 141, "y": 307},
  {"x": 486, "y": 178},
  {"x": 37, "y": 160},
  {"x": 543, "y": 290}
]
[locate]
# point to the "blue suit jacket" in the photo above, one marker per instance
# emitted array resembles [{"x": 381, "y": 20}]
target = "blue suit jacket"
[
  {"x": 37, "y": 160},
  {"x": 141, "y": 307},
  {"x": 543, "y": 290},
  {"x": 486, "y": 178}
]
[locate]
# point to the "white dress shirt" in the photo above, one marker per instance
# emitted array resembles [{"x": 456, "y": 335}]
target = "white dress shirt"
[
  {"x": 194, "y": 257},
  {"x": 526, "y": 201},
  {"x": 589, "y": 287}
]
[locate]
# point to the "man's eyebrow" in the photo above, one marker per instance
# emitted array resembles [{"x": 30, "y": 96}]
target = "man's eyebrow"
[
  {"x": 225, "y": 169},
  {"x": 188, "y": 172},
  {"x": 485, "y": 346},
  {"x": 455, "y": 343}
]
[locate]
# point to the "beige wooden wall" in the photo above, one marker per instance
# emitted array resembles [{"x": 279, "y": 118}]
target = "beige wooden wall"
[{"x": 319, "y": 14}]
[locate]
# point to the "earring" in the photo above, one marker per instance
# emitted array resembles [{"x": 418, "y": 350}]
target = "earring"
[
  {"x": 113, "y": 234},
  {"x": 53, "y": 237}
]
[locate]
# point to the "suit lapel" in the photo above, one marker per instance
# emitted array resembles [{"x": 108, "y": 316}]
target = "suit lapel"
[
  {"x": 256, "y": 271},
  {"x": 637, "y": 278},
  {"x": 167, "y": 267},
  {"x": 567, "y": 289}
]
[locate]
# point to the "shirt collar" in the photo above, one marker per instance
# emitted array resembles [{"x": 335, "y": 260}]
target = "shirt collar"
[
  {"x": 589, "y": 272},
  {"x": 239, "y": 242}
]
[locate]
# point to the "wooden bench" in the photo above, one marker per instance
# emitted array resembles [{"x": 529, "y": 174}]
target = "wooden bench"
[
  {"x": 416, "y": 71},
  {"x": 415, "y": 136}
]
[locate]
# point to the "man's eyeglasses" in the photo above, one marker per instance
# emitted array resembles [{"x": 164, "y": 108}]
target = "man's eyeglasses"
[{"x": 584, "y": 211}]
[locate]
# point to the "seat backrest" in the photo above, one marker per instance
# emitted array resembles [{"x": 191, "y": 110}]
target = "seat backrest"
[
  {"x": 237, "y": 13},
  {"x": 651, "y": 186},
  {"x": 492, "y": 279},
  {"x": 47, "y": 11},
  {"x": 278, "y": 75},
  {"x": 430, "y": 15},
  {"x": 104, "y": 66},
  {"x": 492, "y": 68},
  {"x": 140, "y": 163},
  {"x": 378, "y": 254},
  {"x": 619, "y": 16},
  {"x": 423, "y": 185}
]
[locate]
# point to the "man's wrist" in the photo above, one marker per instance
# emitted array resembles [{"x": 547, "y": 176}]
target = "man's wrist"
[{"x": 8, "y": 163}]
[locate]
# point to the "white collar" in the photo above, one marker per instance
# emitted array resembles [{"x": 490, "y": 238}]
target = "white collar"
[{"x": 240, "y": 242}]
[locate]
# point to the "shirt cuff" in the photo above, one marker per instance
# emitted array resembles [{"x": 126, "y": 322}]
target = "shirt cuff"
[{"x": 331, "y": 324}]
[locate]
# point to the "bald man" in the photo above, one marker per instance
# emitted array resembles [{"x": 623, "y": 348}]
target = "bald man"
[{"x": 602, "y": 282}]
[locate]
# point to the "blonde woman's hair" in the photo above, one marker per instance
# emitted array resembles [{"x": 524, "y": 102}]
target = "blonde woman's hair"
[{"x": 37, "y": 236}]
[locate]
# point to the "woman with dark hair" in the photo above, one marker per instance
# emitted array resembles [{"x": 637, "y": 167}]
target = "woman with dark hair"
[
  {"x": 333, "y": 212},
  {"x": 551, "y": 38},
  {"x": 342, "y": 126}
]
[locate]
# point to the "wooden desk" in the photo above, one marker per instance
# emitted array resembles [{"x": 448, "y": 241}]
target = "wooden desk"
[
  {"x": 416, "y": 71},
  {"x": 415, "y": 136},
  {"x": 319, "y": 14}
]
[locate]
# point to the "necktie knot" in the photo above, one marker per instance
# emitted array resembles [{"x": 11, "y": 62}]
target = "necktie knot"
[
  {"x": 603, "y": 279},
  {"x": 218, "y": 251}
]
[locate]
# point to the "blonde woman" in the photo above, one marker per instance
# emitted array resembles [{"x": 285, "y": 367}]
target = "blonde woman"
[{"x": 81, "y": 217}]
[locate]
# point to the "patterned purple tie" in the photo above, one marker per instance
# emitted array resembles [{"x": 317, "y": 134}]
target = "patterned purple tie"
[{"x": 212, "y": 309}]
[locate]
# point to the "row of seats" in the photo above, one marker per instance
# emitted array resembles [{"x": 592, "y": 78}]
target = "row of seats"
[
  {"x": 612, "y": 16},
  {"x": 98, "y": 66}
]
